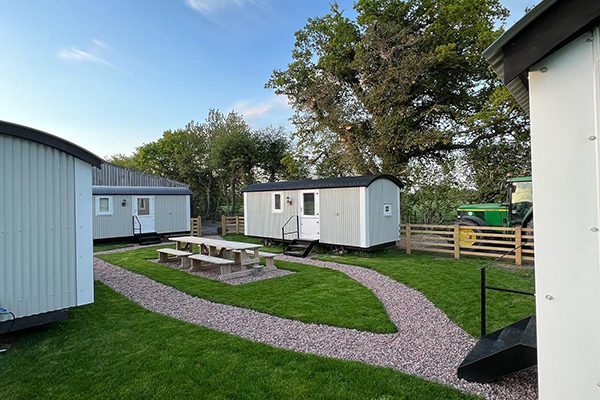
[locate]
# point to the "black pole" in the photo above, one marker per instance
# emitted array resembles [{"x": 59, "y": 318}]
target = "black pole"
[{"x": 483, "y": 316}]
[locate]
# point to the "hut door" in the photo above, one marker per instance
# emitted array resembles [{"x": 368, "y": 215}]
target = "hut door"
[
  {"x": 143, "y": 209},
  {"x": 309, "y": 214}
]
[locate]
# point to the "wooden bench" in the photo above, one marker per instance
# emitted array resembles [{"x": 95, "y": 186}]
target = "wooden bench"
[
  {"x": 198, "y": 259},
  {"x": 163, "y": 256},
  {"x": 269, "y": 259}
]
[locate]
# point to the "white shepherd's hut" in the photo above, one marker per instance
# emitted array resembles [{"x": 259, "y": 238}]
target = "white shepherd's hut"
[
  {"x": 45, "y": 227},
  {"x": 356, "y": 212},
  {"x": 129, "y": 203},
  {"x": 550, "y": 60}
]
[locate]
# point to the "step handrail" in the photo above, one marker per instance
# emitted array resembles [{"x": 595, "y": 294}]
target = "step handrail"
[
  {"x": 484, "y": 287},
  {"x": 297, "y": 231},
  {"x": 133, "y": 219}
]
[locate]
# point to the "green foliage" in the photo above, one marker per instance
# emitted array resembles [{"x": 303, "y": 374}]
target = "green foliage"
[
  {"x": 311, "y": 294},
  {"x": 402, "y": 82},
  {"x": 215, "y": 158},
  {"x": 114, "y": 349}
]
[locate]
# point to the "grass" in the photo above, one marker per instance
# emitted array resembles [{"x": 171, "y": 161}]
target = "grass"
[
  {"x": 274, "y": 248},
  {"x": 311, "y": 294},
  {"x": 110, "y": 246},
  {"x": 453, "y": 285},
  {"x": 114, "y": 349}
]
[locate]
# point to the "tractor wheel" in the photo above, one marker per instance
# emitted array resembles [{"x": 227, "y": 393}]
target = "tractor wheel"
[{"x": 468, "y": 235}]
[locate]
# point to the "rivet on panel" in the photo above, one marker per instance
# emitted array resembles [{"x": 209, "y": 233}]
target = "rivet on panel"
[
  {"x": 590, "y": 39},
  {"x": 544, "y": 69},
  {"x": 592, "y": 137},
  {"x": 594, "y": 229},
  {"x": 549, "y": 297}
]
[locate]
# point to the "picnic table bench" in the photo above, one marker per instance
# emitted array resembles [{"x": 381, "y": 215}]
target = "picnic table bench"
[
  {"x": 223, "y": 253},
  {"x": 269, "y": 258},
  {"x": 163, "y": 256}
]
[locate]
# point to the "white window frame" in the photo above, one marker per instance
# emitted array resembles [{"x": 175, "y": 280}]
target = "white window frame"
[
  {"x": 110, "y": 205},
  {"x": 387, "y": 210},
  {"x": 273, "y": 209}
]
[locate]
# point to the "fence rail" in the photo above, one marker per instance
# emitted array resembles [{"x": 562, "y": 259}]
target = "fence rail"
[
  {"x": 196, "y": 226},
  {"x": 459, "y": 240},
  {"x": 233, "y": 224}
]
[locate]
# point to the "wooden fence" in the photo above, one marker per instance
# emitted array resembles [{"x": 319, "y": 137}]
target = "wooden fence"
[
  {"x": 196, "y": 227},
  {"x": 233, "y": 224},
  {"x": 458, "y": 240}
]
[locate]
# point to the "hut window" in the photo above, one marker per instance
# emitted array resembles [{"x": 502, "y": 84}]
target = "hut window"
[
  {"x": 277, "y": 207},
  {"x": 387, "y": 210},
  {"x": 104, "y": 206},
  {"x": 143, "y": 206}
]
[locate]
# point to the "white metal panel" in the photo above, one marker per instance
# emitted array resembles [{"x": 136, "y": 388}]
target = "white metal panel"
[
  {"x": 564, "y": 115},
  {"x": 383, "y": 229},
  {"x": 172, "y": 213},
  {"x": 188, "y": 213},
  {"x": 341, "y": 216},
  {"x": 245, "y": 213},
  {"x": 119, "y": 224},
  {"x": 83, "y": 234},
  {"x": 37, "y": 227},
  {"x": 261, "y": 221},
  {"x": 364, "y": 217}
]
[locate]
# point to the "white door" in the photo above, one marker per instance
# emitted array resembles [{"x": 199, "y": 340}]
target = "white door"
[
  {"x": 143, "y": 212},
  {"x": 309, "y": 214}
]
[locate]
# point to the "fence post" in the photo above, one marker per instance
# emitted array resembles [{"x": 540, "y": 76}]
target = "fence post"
[
  {"x": 518, "y": 249},
  {"x": 456, "y": 237},
  {"x": 237, "y": 224},
  {"x": 408, "y": 240},
  {"x": 223, "y": 225}
]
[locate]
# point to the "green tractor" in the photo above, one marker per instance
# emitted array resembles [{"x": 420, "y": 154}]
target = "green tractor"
[{"x": 517, "y": 211}]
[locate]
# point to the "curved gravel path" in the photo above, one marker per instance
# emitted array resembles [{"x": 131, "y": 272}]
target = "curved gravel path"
[{"x": 427, "y": 343}]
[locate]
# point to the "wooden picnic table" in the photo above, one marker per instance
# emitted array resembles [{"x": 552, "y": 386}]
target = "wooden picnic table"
[{"x": 236, "y": 251}]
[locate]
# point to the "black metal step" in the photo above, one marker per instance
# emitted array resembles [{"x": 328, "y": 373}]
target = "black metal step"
[
  {"x": 500, "y": 353},
  {"x": 299, "y": 254},
  {"x": 148, "y": 238},
  {"x": 299, "y": 247}
]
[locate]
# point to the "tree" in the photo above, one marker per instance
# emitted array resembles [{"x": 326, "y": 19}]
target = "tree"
[
  {"x": 233, "y": 152},
  {"x": 272, "y": 146},
  {"x": 405, "y": 80}
]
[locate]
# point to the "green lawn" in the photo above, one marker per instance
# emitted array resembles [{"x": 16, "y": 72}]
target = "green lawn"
[
  {"x": 453, "y": 285},
  {"x": 113, "y": 349},
  {"x": 110, "y": 246},
  {"x": 275, "y": 248},
  {"x": 311, "y": 294}
]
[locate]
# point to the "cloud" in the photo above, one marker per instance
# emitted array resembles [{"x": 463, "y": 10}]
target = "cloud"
[
  {"x": 94, "y": 53},
  {"x": 255, "y": 110},
  {"x": 210, "y": 7}
]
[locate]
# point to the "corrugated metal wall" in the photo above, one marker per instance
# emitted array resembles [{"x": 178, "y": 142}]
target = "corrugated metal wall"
[
  {"x": 172, "y": 213},
  {"x": 114, "y": 175},
  {"x": 37, "y": 227},
  {"x": 117, "y": 225},
  {"x": 382, "y": 229},
  {"x": 261, "y": 220},
  {"x": 340, "y": 216}
]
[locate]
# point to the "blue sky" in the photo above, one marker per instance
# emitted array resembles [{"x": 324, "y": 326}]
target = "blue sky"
[{"x": 110, "y": 75}]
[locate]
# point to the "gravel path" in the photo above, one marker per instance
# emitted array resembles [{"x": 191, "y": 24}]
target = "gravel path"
[{"x": 427, "y": 343}]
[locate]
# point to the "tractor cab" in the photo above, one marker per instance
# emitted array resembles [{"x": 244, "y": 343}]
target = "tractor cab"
[
  {"x": 518, "y": 209},
  {"x": 520, "y": 201}
]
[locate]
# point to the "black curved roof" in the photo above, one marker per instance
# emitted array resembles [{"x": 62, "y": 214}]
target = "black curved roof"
[
  {"x": 34, "y": 135},
  {"x": 330, "y": 183}
]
